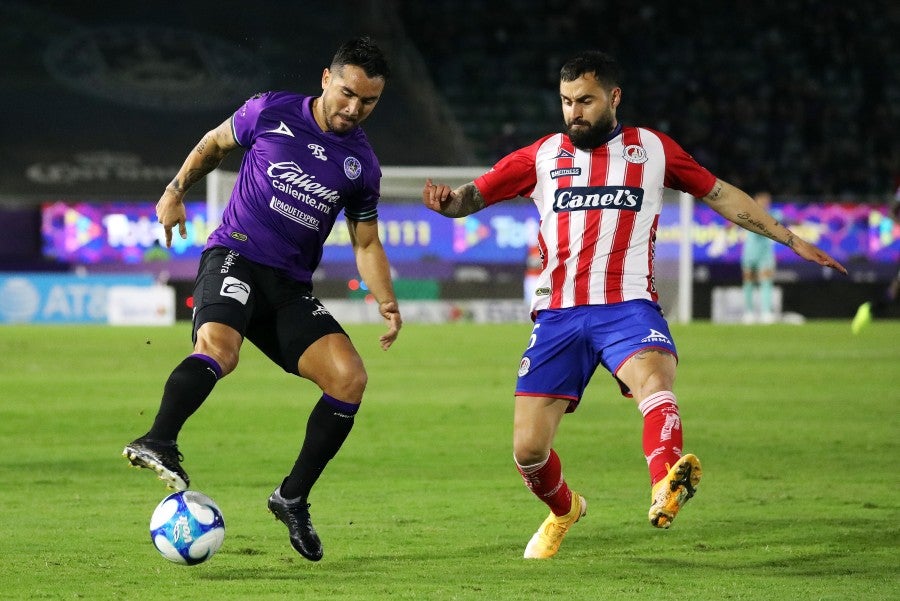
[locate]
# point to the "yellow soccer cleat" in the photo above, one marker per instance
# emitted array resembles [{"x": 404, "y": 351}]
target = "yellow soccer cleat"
[
  {"x": 671, "y": 493},
  {"x": 862, "y": 318},
  {"x": 545, "y": 542}
]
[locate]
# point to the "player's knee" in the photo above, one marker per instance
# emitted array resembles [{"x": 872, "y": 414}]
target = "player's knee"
[
  {"x": 226, "y": 358},
  {"x": 528, "y": 452},
  {"x": 347, "y": 382}
]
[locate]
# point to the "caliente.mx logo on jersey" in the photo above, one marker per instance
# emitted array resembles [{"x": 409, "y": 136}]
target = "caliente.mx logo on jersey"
[{"x": 289, "y": 177}]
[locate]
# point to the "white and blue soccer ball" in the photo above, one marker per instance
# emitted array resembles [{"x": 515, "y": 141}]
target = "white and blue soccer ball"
[{"x": 187, "y": 527}]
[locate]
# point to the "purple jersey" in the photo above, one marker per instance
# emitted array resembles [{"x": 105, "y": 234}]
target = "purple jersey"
[{"x": 293, "y": 182}]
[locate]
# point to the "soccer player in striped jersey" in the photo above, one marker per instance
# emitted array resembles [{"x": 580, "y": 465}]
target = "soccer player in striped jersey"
[{"x": 598, "y": 187}]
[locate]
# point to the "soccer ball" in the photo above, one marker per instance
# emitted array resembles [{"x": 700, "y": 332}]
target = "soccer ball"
[{"x": 187, "y": 527}]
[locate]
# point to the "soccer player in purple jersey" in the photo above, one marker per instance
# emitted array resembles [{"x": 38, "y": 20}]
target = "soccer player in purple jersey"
[{"x": 305, "y": 160}]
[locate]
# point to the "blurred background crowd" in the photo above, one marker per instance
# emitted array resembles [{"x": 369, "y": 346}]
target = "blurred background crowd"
[{"x": 797, "y": 96}]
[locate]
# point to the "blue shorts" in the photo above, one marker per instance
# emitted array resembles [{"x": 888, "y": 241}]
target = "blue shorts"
[{"x": 567, "y": 345}]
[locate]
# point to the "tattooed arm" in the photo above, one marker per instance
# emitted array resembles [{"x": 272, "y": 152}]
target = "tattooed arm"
[
  {"x": 737, "y": 206},
  {"x": 463, "y": 201},
  {"x": 205, "y": 157}
]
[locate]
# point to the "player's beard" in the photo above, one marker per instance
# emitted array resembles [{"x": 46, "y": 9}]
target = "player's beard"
[
  {"x": 335, "y": 124},
  {"x": 593, "y": 135}
]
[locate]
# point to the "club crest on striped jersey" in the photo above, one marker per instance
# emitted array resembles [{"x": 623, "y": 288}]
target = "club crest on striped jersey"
[
  {"x": 634, "y": 154},
  {"x": 583, "y": 198}
]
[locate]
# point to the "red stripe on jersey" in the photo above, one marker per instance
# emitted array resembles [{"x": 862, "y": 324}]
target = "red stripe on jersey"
[
  {"x": 651, "y": 279},
  {"x": 542, "y": 245},
  {"x": 615, "y": 264},
  {"x": 558, "y": 275},
  {"x": 598, "y": 175}
]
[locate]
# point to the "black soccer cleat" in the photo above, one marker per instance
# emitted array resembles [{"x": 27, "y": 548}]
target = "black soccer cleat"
[
  {"x": 295, "y": 515},
  {"x": 161, "y": 457}
]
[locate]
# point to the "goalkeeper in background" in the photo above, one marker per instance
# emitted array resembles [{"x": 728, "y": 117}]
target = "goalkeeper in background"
[{"x": 758, "y": 269}]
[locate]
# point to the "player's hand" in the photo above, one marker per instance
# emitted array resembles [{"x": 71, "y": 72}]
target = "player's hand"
[
  {"x": 436, "y": 196},
  {"x": 817, "y": 255},
  {"x": 391, "y": 313},
  {"x": 170, "y": 212}
]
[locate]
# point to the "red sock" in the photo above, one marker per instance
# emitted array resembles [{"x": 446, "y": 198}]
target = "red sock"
[
  {"x": 547, "y": 483},
  {"x": 662, "y": 433}
]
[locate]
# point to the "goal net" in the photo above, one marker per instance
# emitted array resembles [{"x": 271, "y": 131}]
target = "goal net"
[{"x": 403, "y": 185}]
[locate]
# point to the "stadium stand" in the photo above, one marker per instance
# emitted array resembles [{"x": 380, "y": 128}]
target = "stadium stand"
[{"x": 794, "y": 95}]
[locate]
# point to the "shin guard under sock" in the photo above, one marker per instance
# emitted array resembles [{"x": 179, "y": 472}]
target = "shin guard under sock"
[
  {"x": 329, "y": 425},
  {"x": 546, "y": 481},
  {"x": 662, "y": 439},
  {"x": 187, "y": 387}
]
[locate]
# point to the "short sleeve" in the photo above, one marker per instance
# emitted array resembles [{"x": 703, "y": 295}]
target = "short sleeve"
[{"x": 245, "y": 119}]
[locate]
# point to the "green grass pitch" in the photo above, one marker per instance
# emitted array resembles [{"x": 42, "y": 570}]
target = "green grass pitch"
[{"x": 797, "y": 428}]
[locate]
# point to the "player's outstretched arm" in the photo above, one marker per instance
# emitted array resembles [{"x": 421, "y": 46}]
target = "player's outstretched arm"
[
  {"x": 375, "y": 270},
  {"x": 463, "y": 201},
  {"x": 206, "y": 156},
  {"x": 737, "y": 206}
]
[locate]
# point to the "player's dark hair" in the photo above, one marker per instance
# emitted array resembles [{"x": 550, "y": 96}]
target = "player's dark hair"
[
  {"x": 362, "y": 52},
  {"x": 604, "y": 68}
]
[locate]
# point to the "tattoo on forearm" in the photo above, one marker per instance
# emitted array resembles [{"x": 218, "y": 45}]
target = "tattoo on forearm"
[
  {"x": 465, "y": 200},
  {"x": 762, "y": 228},
  {"x": 195, "y": 175},
  {"x": 714, "y": 193},
  {"x": 201, "y": 147},
  {"x": 755, "y": 224}
]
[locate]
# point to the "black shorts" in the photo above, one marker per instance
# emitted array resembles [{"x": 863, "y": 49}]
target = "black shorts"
[{"x": 280, "y": 316}]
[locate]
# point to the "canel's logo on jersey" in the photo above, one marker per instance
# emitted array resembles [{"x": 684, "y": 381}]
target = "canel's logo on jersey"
[{"x": 582, "y": 198}]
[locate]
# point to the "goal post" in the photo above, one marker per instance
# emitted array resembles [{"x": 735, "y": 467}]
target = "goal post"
[{"x": 403, "y": 184}]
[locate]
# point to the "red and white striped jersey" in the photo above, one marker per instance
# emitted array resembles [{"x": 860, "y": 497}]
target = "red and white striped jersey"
[{"x": 599, "y": 210}]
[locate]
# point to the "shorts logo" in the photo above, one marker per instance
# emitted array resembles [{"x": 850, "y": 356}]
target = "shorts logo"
[
  {"x": 656, "y": 337},
  {"x": 236, "y": 289},
  {"x": 634, "y": 154},
  {"x": 320, "y": 310},
  {"x": 524, "y": 366},
  {"x": 352, "y": 167}
]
